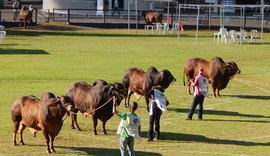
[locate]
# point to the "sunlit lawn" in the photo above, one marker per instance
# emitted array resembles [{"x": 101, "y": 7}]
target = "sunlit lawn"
[{"x": 237, "y": 123}]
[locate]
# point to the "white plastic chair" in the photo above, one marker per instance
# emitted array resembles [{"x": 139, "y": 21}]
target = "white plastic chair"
[
  {"x": 159, "y": 27},
  {"x": 232, "y": 36},
  {"x": 166, "y": 27},
  {"x": 243, "y": 37},
  {"x": 221, "y": 36},
  {"x": 175, "y": 28},
  {"x": 2, "y": 28},
  {"x": 253, "y": 35},
  {"x": 2, "y": 36}
]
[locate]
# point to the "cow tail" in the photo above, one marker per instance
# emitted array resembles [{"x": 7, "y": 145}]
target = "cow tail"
[{"x": 184, "y": 81}]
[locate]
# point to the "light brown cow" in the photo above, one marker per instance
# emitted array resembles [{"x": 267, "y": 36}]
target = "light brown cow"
[
  {"x": 152, "y": 17},
  {"x": 26, "y": 17},
  {"x": 217, "y": 71},
  {"x": 47, "y": 115}
]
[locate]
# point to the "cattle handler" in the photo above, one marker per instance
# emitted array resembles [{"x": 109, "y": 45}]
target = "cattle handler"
[
  {"x": 159, "y": 104},
  {"x": 201, "y": 90},
  {"x": 129, "y": 129}
]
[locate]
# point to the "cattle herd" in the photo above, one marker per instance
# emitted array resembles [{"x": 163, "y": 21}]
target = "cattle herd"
[{"x": 48, "y": 113}]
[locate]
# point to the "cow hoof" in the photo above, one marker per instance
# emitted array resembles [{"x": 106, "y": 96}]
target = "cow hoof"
[
  {"x": 15, "y": 144},
  {"x": 22, "y": 143},
  {"x": 126, "y": 105},
  {"x": 48, "y": 151}
]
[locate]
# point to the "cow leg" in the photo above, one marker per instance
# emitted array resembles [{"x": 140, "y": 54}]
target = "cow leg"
[
  {"x": 25, "y": 23},
  {"x": 51, "y": 144},
  {"x": 74, "y": 123},
  {"x": 16, "y": 127},
  {"x": 21, "y": 128},
  {"x": 214, "y": 89},
  {"x": 95, "y": 122},
  {"x": 103, "y": 127},
  {"x": 218, "y": 92},
  {"x": 47, "y": 139},
  {"x": 129, "y": 95},
  {"x": 147, "y": 103},
  {"x": 188, "y": 87}
]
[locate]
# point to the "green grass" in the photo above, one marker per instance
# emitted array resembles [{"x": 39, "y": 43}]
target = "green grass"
[{"x": 237, "y": 123}]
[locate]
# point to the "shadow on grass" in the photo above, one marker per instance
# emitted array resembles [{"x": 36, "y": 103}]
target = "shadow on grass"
[
  {"x": 256, "y": 97},
  {"x": 86, "y": 34},
  {"x": 105, "y": 151},
  {"x": 21, "y": 51},
  {"x": 203, "y": 139},
  {"x": 218, "y": 112}
]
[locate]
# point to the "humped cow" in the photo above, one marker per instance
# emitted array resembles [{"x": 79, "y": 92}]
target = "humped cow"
[
  {"x": 47, "y": 115},
  {"x": 137, "y": 81},
  {"x": 96, "y": 100},
  {"x": 217, "y": 71},
  {"x": 221, "y": 72},
  {"x": 152, "y": 17}
]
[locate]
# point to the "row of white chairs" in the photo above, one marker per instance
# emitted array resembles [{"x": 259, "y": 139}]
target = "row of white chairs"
[
  {"x": 232, "y": 36},
  {"x": 163, "y": 28}
]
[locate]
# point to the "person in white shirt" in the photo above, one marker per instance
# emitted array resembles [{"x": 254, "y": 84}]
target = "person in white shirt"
[
  {"x": 16, "y": 8},
  {"x": 159, "y": 104},
  {"x": 116, "y": 7}
]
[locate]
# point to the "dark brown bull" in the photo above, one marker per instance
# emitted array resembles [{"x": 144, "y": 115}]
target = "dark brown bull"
[
  {"x": 47, "y": 115},
  {"x": 139, "y": 82},
  {"x": 221, "y": 73},
  {"x": 96, "y": 100},
  {"x": 217, "y": 71},
  {"x": 26, "y": 17},
  {"x": 152, "y": 17}
]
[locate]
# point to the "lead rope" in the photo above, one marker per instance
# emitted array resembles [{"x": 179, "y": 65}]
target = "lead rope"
[{"x": 87, "y": 113}]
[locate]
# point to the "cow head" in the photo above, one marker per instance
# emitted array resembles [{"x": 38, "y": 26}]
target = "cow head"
[
  {"x": 116, "y": 90},
  {"x": 166, "y": 78},
  {"x": 232, "y": 69},
  {"x": 67, "y": 104}
]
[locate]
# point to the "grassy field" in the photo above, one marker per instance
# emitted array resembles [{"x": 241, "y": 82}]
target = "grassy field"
[{"x": 39, "y": 60}]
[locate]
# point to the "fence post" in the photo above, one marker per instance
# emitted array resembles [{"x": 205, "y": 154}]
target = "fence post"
[
  {"x": 48, "y": 15},
  {"x": 53, "y": 15},
  {"x": 103, "y": 16},
  {"x": 68, "y": 20},
  {"x": 36, "y": 13}
]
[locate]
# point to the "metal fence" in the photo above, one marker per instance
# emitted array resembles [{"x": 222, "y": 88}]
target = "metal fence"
[{"x": 105, "y": 17}]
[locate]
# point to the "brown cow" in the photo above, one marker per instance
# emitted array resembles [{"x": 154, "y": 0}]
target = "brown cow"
[
  {"x": 137, "y": 81},
  {"x": 152, "y": 17},
  {"x": 192, "y": 68},
  {"x": 217, "y": 71},
  {"x": 96, "y": 100},
  {"x": 47, "y": 116},
  {"x": 26, "y": 17}
]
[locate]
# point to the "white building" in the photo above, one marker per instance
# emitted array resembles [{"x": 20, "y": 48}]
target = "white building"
[{"x": 108, "y": 4}]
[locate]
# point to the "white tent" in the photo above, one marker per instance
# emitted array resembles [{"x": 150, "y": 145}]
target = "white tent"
[{"x": 222, "y": 14}]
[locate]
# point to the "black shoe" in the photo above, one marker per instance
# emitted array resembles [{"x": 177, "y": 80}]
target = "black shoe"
[
  {"x": 157, "y": 135},
  {"x": 149, "y": 139},
  {"x": 187, "y": 118}
]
